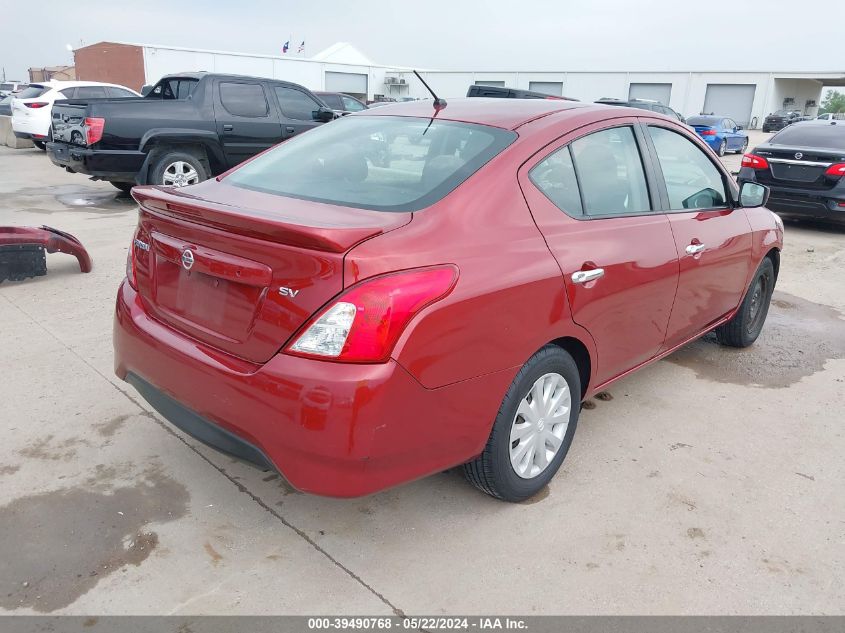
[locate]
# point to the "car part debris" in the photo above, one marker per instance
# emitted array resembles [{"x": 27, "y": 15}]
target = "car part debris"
[{"x": 22, "y": 251}]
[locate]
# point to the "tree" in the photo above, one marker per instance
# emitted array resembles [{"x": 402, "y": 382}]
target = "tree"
[{"x": 834, "y": 101}]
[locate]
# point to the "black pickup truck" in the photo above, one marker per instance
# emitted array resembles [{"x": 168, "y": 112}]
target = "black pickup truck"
[{"x": 187, "y": 128}]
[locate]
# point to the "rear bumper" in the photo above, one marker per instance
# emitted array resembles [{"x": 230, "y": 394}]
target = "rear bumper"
[
  {"x": 116, "y": 165},
  {"x": 332, "y": 429},
  {"x": 27, "y": 127}
]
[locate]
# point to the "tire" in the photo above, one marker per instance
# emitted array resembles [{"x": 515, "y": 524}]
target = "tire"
[
  {"x": 40, "y": 145},
  {"x": 744, "y": 147},
  {"x": 125, "y": 187},
  {"x": 723, "y": 146},
  {"x": 745, "y": 326},
  {"x": 494, "y": 471},
  {"x": 177, "y": 168}
]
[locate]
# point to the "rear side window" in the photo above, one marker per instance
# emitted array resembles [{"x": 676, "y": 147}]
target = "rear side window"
[
  {"x": 67, "y": 93},
  {"x": 246, "y": 100},
  {"x": 119, "y": 93},
  {"x": 32, "y": 92},
  {"x": 90, "y": 92},
  {"x": 610, "y": 172},
  {"x": 812, "y": 135},
  {"x": 555, "y": 177},
  {"x": 296, "y": 104},
  {"x": 333, "y": 101},
  {"x": 374, "y": 162},
  {"x": 692, "y": 180}
]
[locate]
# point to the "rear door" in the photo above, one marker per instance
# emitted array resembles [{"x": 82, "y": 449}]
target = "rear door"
[
  {"x": 713, "y": 239},
  {"x": 297, "y": 108},
  {"x": 593, "y": 200},
  {"x": 246, "y": 122}
]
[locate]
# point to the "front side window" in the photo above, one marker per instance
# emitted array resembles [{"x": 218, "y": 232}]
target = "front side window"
[
  {"x": 375, "y": 162},
  {"x": 610, "y": 173},
  {"x": 241, "y": 99},
  {"x": 692, "y": 180},
  {"x": 555, "y": 177},
  {"x": 119, "y": 93},
  {"x": 296, "y": 104},
  {"x": 351, "y": 105}
]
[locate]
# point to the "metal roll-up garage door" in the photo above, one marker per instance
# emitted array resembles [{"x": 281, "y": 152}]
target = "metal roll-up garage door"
[
  {"x": 652, "y": 92},
  {"x": 354, "y": 84},
  {"x": 733, "y": 101}
]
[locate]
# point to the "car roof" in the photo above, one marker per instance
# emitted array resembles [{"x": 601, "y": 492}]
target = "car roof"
[{"x": 503, "y": 113}]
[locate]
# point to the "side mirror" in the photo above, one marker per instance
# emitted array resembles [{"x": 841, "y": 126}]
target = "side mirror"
[
  {"x": 753, "y": 195},
  {"x": 145, "y": 90},
  {"x": 324, "y": 115}
]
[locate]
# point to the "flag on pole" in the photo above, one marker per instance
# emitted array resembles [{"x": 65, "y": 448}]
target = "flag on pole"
[
  {"x": 301, "y": 47},
  {"x": 286, "y": 47}
]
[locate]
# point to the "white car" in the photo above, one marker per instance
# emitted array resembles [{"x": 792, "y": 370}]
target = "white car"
[
  {"x": 8, "y": 87},
  {"x": 31, "y": 106},
  {"x": 832, "y": 116}
]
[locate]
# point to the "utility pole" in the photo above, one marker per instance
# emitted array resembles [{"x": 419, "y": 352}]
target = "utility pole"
[{"x": 4, "y": 74}]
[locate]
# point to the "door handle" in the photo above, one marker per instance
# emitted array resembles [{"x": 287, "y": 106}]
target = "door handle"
[
  {"x": 227, "y": 127},
  {"x": 289, "y": 129},
  {"x": 583, "y": 276},
  {"x": 694, "y": 249}
]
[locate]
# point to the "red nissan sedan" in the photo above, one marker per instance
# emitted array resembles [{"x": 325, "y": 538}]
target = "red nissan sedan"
[{"x": 412, "y": 288}]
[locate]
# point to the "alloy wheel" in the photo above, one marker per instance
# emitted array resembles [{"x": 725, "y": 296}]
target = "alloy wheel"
[
  {"x": 540, "y": 425},
  {"x": 180, "y": 174}
]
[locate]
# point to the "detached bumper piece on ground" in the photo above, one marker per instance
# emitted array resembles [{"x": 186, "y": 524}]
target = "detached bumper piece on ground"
[{"x": 22, "y": 251}]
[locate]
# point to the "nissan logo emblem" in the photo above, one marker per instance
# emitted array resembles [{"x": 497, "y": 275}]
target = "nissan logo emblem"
[
  {"x": 187, "y": 259},
  {"x": 798, "y": 155}
]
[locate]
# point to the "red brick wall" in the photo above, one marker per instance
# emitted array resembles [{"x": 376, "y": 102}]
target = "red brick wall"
[{"x": 111, "y": 63}]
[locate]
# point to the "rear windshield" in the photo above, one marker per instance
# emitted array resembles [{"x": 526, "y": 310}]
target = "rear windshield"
[
  {"x": 702, "y": 120},
  {"x": 375, "y": 162},
  {"x": 32, "y": 91},
  {"x": 6, "y": 86},
  {"x": 823, "y": 135},
  {"x": 173, "y": 88}
]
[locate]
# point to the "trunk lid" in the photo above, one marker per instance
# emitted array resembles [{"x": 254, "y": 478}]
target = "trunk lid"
[
  {"x": 243, "y": 272},
  {"x": 798, "y": 166}
]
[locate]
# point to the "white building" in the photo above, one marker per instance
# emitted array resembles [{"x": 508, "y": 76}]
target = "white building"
[{"x": 745, "y": 97}]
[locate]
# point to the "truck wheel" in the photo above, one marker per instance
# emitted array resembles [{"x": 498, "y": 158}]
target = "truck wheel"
[
  {"x": 533, "y": 429},
  {"x": 125, "y": 187},
  {"x": 177, "y": 169},
  {"x": 745, "y": 326}
]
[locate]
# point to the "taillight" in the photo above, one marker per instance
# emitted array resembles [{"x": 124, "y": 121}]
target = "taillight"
[
  {"x": 708, "y": 132},
  {"x": 363, "y": 324},
  {"x": 36, "y": 104},
  {"x": 835, "y": 170},
  {"x": 94, "y": 129},
  {"x": 754, "y": 162}
]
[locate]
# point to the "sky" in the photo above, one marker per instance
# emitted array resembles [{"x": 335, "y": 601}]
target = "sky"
[{"x": 768, "y": 35}]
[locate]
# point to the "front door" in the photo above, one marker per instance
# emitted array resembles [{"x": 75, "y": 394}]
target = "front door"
[
  {"x": 298, "y": 109},
  {"x": 592, "y": 200},
  {"x": 246, "y": 123},
  {"x": 713, "y": 239}
]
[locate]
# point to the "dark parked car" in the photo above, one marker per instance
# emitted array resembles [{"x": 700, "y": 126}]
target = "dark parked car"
[
  {"x": 341, "y": 103},
  {"x": 804, "y": 166},
  {"x": 187, "y": 128},
  {"x": 500, "y": 92},
  {"x": 720, "y": 133},
  {"x": 780, "y": 119},
  {"x": 643, "y": 104},
  {"x": 356, "y": 327},
  {"x": 6, "y": 106}
]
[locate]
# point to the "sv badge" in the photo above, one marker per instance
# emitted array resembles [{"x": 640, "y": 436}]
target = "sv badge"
[{"x": 288, "y": 292}]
